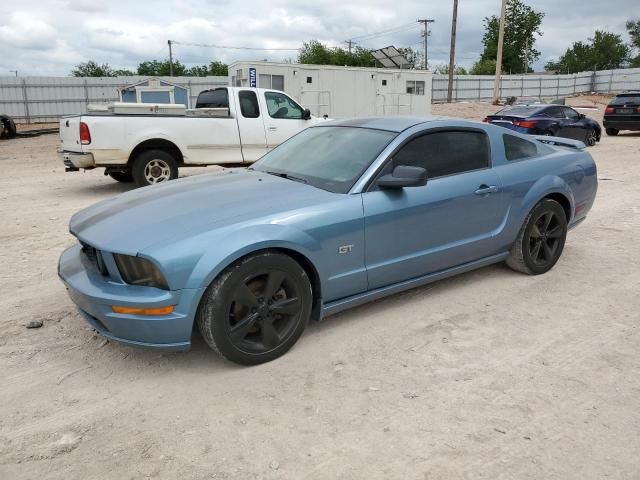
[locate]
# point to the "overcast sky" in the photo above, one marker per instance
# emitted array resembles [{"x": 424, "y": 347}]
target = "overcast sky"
[{"x": 39, "y": 37}]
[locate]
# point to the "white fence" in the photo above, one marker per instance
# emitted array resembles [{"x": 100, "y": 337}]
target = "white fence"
[
  {"x": 480, "y": 87},
  {"x": 41, "y": 99}
]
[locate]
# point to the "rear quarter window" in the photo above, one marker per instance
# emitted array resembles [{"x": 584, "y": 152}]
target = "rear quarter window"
[{"x": 516, "y": 148}]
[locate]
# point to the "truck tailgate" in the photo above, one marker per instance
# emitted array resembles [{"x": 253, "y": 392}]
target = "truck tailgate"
[{"x": 70, "y": 134}]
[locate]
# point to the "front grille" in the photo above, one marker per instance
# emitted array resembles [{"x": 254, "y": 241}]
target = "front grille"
[{"x": 95, "y": 258}]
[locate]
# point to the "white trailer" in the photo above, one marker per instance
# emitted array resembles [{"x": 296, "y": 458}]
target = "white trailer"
[{"x": 341, "y": 92}]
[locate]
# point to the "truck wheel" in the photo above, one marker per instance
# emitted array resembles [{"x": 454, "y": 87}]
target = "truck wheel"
[
  {"x": 541, "y": 239},
  {"x": 154, "y": 166},
  {"x": 122, "y": 177},
  {"x": 612, "y": 132}
]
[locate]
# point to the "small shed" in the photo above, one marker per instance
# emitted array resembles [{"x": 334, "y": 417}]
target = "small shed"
[
  {"x": 341, "y": 92},
  {"x": 155, "y": 90}
]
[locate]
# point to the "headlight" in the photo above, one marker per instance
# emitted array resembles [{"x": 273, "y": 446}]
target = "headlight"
[{"x": 140, "y": 271}]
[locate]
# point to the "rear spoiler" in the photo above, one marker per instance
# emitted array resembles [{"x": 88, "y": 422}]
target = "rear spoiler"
[{"x": 564, "y": 142}]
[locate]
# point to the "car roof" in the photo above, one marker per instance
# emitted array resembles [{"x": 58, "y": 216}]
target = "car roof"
[{"x": 392, "y": 124}]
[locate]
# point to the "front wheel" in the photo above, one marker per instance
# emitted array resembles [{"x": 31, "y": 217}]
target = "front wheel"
[
  {"x": 541, "y": 239},
  {"x": 256, "y": 310},
  {"x": 612, "y": 132},
  {"x": 154, "y": 166},
  {"x": 591, "y": 137}
]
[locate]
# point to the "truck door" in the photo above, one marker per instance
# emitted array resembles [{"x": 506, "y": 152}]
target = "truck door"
[
  {"x": 251, "y": 126},
  {"x": 283, "y": 119}
]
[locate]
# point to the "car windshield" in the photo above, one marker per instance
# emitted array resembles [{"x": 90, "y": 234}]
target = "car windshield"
[
  {"x": 331, "y": 158},
  {"x": 626, "y": 99}
]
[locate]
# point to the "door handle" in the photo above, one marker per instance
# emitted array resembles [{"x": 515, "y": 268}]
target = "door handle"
[
  {"x": 486, "y": 189},
  {"x": 272, "y": 128}
]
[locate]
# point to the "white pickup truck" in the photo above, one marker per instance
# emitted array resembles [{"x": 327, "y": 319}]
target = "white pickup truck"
[{"x": 147, "y": 143}]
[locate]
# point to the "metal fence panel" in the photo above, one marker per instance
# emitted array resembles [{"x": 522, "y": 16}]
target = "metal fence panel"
[{"x": 39, "y": 99}]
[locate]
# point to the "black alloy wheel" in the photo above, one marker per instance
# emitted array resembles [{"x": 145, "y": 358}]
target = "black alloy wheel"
[
  {"x": 541, "y": 239},
  {"x": 256, "y": 309},
  {"x": 591, "y": 137}
]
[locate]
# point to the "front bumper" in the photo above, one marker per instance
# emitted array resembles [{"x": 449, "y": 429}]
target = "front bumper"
[
  {"x": 75, "y": 160},
  {"x": 94, "y": 295}
]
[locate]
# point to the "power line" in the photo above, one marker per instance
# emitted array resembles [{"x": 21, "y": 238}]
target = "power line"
[
  {"x": 383, "y": 33},
  {"x": 227, "y": 47}
]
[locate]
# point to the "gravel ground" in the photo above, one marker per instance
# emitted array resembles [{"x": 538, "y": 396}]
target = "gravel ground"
[{"x": 491, "y": 374}]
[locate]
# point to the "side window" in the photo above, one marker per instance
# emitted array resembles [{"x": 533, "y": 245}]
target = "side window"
[
  {"x": 516, "y": 148},
  {"x": 415, "y": 87},
  {"x": 218, "y": 98},
  {"x": 571, "y": 114},
  {"x": 281, "y": 106},
  {"x": 446, "y": 153},
  {"x": 554, "y": 112},
  {"x": 248, "y": 104}
]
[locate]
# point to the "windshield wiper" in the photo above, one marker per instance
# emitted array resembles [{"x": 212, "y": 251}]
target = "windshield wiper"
[{"x": 286, "y": 175}]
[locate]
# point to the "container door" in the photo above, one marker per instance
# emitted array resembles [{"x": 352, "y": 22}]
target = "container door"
[{"x": 251, "y": 125}]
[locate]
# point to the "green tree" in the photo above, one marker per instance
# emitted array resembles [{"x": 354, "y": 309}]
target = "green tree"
[
  {"x": 414, "y": 57},
  {"x": 123, "y": 72},
  {"x": 161, "y": 68},
  {"x": 316, "y": 53},
  {"x": 92, "y": 69},
  {"x": 603, "y": 51},
  {"x": 217, "y": 68},
  {"x": 457, "y": 69},
  {"x": 484, "y": 67},
  {"x": 522, "y": 25},
  {"x": 633, "y": 27}
]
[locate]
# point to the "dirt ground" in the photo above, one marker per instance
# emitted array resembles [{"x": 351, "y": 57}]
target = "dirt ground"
[{"x": 491, "y": 374}]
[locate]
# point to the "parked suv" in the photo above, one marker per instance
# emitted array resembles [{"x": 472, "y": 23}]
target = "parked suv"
[{"x": 623, "y": 113}]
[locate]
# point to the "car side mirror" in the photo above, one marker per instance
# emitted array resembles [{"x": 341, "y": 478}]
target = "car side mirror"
[
  {"x": 582, "y": 115},
  {"x": 306, "y": 115},
  {"x": 403, "y": 176}
]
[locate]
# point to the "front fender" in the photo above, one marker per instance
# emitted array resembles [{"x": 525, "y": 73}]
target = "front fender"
[{"x": 230, "y": 244}]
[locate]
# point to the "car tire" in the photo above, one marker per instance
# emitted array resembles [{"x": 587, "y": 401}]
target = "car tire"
[
  {"x": 256, "y": 310},
  {"x": 591, "y": 137},
  {"x": 7, "y": 127},
  {"x": 154, "y": 166},
  {"x": 612, "y": 132},
  {"x": 541, "y": 239},
  {"x": 122, "y": 177}
]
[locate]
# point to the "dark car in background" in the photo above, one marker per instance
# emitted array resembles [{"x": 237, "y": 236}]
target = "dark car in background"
[
  {"x": 623, "y": 113},
  {"x": 554, "y": 120}
]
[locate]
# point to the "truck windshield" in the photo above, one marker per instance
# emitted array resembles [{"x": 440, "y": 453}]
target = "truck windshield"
[{"x": 330, "y": 158}]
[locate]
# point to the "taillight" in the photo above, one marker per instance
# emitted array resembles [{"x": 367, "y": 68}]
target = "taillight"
[
  {"x": 609, "y": 110},
  {"x": 486, "y": 120},
  {"x": 85, "y": 134},
  {"x": 525, "y": 123}
]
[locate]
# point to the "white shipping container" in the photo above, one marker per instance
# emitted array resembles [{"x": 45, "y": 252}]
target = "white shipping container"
[{"x": 341, "y": 92}]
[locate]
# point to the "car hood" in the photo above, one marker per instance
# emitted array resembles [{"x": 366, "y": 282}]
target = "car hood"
[{"x": 152, "y": 215}]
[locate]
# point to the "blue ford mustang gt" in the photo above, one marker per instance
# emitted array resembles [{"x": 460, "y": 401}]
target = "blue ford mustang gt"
[{"x": 341, "y": 214}]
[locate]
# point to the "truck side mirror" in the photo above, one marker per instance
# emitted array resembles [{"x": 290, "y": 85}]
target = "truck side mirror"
[{"x": 306, "y": 115}]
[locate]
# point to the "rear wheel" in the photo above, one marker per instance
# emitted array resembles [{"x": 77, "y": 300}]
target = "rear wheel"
[
  {"x": 256, "y": 310},
  {"x": 122, "y": 177},
  {"x": 612, "y": 132},
  {"x": 541, "y": 239},
  {"x": 154, "y": 166},
  {"x": 7, "y": 127},
  {"x": 591, "y": 137}
]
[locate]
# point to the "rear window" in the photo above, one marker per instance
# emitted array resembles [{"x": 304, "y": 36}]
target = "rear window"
[
  {"x": 628, "y": 99},
  {"x": 516, "y": 148},
  {"x": 218, "y": 98}
]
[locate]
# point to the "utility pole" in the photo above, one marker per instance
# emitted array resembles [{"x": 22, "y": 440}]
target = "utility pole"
[
  {"x": 349, "y": 42},
  {"x": 496, "y": 82},
  {"x": 170, "y": 59},
  {"x": 425, "y": 34},
  {"x": 452, "y": 51}
]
